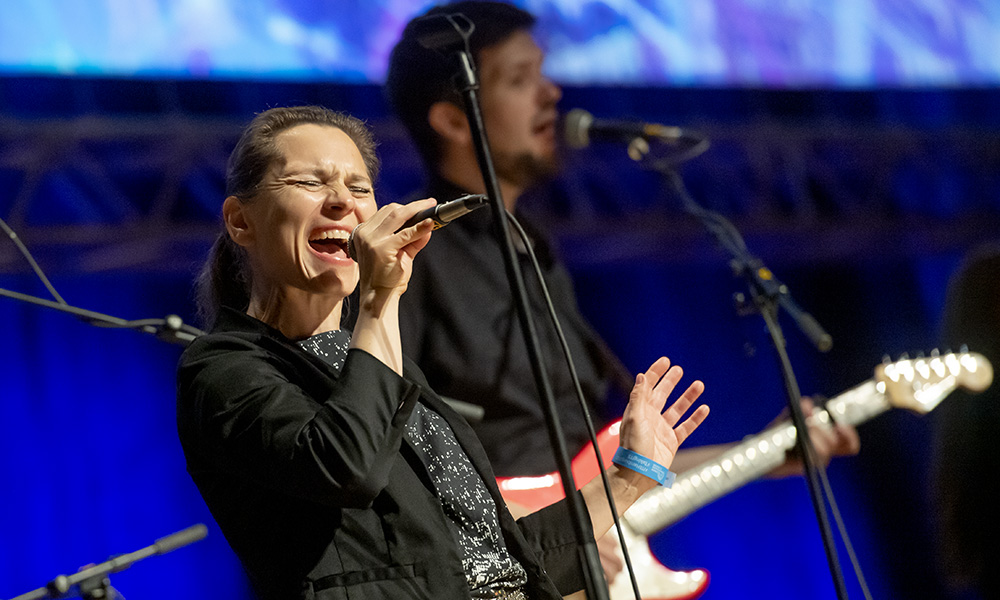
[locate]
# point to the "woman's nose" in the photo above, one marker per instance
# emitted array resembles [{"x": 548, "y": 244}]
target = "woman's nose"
[{"x": 339, "y": 199}]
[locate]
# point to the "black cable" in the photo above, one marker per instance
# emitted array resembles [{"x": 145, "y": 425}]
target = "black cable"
[
  {"x": 591, "y": 432},
  {"x": 31, "y": 261},
  {"x": 846, "y": 539}
]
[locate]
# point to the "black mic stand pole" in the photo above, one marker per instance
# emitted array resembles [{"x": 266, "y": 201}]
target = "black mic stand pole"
[
  {"x": 451, "y": 39},
  {"x": 768, "y": 295}
]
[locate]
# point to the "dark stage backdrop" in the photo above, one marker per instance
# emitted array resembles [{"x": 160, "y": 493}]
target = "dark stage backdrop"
[{"x": 863, "y": 202}]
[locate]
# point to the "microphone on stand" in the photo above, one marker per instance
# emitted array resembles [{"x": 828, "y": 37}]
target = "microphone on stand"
[
  {"x": 581, "y": 127},
  {"x": 92, "y": 581},
  {"x": 442, "y": 214}
]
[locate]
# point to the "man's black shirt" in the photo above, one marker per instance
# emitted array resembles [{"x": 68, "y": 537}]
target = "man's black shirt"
[{"x": 459, "y": 324}]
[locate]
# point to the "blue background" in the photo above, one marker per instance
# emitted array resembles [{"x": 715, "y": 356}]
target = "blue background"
[
  {"x": 896, "y": 186},
  {"x": 633, "y": 42}
]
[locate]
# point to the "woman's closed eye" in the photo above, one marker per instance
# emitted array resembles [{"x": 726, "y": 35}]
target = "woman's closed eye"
[{"x": 307, "y": 183}]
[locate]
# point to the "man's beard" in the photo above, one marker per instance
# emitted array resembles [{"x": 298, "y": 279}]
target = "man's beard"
[{"x": 525, "y": 170}]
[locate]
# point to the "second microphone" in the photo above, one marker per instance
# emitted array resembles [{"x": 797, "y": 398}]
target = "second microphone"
[{"x": 442, "y": 214}]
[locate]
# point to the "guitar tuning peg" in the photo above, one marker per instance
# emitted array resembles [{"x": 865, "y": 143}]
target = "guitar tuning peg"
[
  {"x": 886, "y": 359},
  {"x": 935, "y": 353},
  {"x": 964, "y": 349},
  {"x": 904, "y": 356},
  {"x": 920, "y": 354}
]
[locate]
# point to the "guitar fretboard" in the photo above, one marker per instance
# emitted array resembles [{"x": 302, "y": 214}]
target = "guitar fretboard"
[{"x": 748, "y": 460}]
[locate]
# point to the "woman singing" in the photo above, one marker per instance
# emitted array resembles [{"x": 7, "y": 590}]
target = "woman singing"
[{"x": 330, "y": 466}]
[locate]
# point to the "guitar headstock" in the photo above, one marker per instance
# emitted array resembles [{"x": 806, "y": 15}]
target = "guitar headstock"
[{"x": 920, "y": 384}]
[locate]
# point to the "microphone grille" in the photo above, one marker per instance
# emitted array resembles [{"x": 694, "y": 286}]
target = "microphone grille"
[
  {"x": 351, "y": 252},
  {"x": 577, "y": 128}
]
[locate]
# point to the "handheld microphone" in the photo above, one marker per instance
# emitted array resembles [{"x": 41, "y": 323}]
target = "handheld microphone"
[
  {"x": 442, "y": 214},
  {"x": 581, "y": 126}
]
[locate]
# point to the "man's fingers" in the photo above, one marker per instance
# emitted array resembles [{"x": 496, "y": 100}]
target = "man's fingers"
[
  {"x": 847, "y": 441},
  {"x": 681, "y": 405},
  {"x": 656, "y": 370},
  {"x": 665, "y": 386},
  {"x": 686, "y": 428},
  {"x": 646, "y": 382}
]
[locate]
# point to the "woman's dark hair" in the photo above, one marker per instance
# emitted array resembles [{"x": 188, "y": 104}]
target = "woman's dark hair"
[
  {"x": 417, "y": 77},
  {"x": 225, "y": 279}
]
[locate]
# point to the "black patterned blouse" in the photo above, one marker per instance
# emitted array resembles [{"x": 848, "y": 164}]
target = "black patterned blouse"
[{"x": 472, "y": 515}]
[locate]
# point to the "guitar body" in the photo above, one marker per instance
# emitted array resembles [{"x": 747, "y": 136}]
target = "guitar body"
[
  {"x": 656, "y": 582},
  {"x": 542, "y": 490}
]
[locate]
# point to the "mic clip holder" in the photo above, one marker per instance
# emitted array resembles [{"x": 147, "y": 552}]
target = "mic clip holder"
[
  {"x": 448, "y": 35},
  {"x": 640, "y": 150},
  {"x": 767, "y": 290}
]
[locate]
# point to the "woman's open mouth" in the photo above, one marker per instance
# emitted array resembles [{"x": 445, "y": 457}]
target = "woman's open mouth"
[{"x": 331, "y": 242}]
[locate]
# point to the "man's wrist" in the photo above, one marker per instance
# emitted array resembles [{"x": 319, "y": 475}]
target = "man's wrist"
[
  {"x": 643, "y": 465},
  {"x": 629, "y": 485}
]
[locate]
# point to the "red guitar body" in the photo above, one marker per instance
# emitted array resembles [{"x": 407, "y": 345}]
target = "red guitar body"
[{"x": 656, "y": 582}]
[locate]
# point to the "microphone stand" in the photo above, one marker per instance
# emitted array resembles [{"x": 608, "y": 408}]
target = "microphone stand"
[
  {"x": 92, "y": 583},
  {"x": 169, "y": 329},
  {"x": 445, "y": 34},
  {"x": 768, "y": 296}
]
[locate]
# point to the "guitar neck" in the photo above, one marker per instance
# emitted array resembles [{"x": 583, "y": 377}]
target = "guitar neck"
[{"x": 749, "y": 460}]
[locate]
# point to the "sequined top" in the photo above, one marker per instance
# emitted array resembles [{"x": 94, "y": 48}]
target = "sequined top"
[{"x": 472, "y": 515}]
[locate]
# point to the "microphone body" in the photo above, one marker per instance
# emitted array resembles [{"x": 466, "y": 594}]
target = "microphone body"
[
  {"x": 442, "y": 214},
  {"x": 581, "y": 128},
  {"x": 446, "y": 212}
]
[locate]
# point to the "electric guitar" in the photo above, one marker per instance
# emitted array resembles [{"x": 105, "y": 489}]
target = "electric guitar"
[{"x": 918, "y": 385}]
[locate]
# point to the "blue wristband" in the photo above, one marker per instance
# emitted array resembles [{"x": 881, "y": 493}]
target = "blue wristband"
[{"x": 644, "y": 466}]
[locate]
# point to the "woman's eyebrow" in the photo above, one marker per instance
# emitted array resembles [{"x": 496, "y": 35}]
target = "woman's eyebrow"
[
  {"x": 359, "y": 177},
  {"x": 318, "y": 170}
]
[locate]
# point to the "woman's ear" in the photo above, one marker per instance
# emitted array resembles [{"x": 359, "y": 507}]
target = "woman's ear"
[
  {"x": 234, "y": 215},
  {"x": 449, "y": 122}
]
